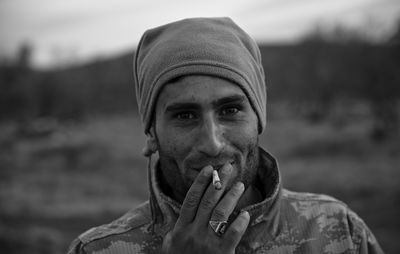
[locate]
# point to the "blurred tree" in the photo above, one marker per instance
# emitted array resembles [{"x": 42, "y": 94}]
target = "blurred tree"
[
  {"x": 24, "y": 56},
  {"x": 16, "y": 80},
  {"x": 383, "y": 88},
  {"x": 346, "y": 63}
]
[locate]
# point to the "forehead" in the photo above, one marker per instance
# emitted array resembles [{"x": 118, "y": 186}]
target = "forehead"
[{"x": 197, "y": 89}]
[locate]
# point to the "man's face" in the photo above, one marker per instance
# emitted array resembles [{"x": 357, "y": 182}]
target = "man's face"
[{"x": 203, "y": 120}]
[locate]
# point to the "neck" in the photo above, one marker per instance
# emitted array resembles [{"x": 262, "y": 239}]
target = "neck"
[
  {"x": 178, "y": 196},
  {"x": 250, "y": 196}
]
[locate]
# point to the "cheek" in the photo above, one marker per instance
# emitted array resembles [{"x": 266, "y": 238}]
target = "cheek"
[
  {"x": 243, "y": 137},
  {"x": 244, "y": 141},
  {"x": 170, "y": 146},
  {"x": 175, "y": 146}
]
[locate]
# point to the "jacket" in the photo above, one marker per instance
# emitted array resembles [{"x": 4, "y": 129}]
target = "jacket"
[{"x": 284, "y": 222}]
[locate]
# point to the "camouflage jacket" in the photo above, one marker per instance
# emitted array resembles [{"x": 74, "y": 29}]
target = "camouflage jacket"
[{"x": 284, "y": 222}]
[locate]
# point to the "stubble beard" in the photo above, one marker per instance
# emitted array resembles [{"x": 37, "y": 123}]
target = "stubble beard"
[{"x": 178, "y": 185}]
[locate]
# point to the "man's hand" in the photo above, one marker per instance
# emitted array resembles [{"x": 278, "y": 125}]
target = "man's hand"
[{"x": 192, "y": 232}]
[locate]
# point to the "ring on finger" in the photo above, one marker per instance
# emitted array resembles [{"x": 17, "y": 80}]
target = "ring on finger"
[{"x": 218, "y": 227}]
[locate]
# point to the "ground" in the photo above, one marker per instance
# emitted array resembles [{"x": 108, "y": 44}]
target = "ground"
[{"x": 57, "y": 180}]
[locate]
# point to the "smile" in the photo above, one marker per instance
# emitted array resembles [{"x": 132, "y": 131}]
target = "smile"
[{"x": 216, "y": 166}]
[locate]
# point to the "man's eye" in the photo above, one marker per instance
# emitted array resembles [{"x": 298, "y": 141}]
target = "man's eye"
[
  {"x": 229, "y": 111},
  {"x": 185, "y": 116}
]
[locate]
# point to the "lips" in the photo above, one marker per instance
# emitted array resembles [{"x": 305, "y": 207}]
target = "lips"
[{"x": 216, "y": 165}]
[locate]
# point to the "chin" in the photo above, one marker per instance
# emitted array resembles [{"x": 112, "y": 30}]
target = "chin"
[{"x": 188, "y": 176}]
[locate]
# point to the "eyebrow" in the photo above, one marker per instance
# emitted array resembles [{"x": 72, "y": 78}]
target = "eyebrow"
[
  {"x": 191, "y": 105},
  {"x": 181, "y": 105},
  {"x": 229, "y": 99}
]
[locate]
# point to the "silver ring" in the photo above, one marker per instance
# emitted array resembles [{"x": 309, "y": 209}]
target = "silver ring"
[{"x": 218, "y": 226}]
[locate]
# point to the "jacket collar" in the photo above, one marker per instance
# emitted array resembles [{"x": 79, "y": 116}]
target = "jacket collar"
[{"x": 165, "y": 210}]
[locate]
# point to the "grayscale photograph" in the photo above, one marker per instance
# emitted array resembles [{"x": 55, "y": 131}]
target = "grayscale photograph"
[{"x": 192, "y": 127}]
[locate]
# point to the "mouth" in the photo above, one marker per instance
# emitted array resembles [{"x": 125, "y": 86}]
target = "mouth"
[{"x": 216, "y": 166}]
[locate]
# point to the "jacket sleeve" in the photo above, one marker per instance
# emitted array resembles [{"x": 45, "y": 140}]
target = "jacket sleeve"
[
  {"x": 76, "y": 247},
  {"x": 369, "y": 244},
  {"x": 362, "y": 236}
]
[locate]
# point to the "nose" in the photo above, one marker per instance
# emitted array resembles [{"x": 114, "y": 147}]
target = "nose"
[{"x": 210, "y": 137}]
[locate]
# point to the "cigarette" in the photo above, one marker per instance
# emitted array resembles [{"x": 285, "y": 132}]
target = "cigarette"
[{"x": 216, "y": 181}]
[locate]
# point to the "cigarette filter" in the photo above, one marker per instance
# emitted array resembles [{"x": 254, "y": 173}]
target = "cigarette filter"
[{"x": 216, "y": 181}]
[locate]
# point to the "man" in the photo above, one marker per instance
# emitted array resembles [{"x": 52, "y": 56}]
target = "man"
[{"x": 202, "y": 98}]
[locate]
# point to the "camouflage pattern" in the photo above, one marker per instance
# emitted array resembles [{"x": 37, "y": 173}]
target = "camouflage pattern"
[{"x": 284, "y": 222}]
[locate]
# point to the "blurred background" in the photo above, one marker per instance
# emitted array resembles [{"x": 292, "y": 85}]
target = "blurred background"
[{"x": 71, "y": 138}]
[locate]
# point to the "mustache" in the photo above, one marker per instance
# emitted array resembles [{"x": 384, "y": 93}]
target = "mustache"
[{"x": 216, "y": 163}]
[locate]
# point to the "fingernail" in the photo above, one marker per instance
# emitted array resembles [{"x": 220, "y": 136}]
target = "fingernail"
[
  {"x": 227, "y": 168},
  {"x": 239, "y": 185},
  {"x": 207, "y": 170},
  {"x": 245, "y": 213}
]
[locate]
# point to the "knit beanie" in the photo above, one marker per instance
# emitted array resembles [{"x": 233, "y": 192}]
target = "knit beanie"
[{"x": 199, "y": 46}]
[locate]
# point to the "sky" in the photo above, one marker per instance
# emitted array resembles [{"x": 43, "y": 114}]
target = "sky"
[{"x": 64, "y": 32}]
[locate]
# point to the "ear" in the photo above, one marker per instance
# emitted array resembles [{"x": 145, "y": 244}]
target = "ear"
[{"x": 151, "y": 145}]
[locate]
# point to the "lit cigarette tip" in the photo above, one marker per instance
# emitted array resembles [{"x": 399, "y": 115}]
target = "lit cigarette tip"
[{"x": 216, "y": 181}]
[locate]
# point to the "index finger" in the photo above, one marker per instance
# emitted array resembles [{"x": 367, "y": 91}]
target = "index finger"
[{"x": 193, "y": 197}]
